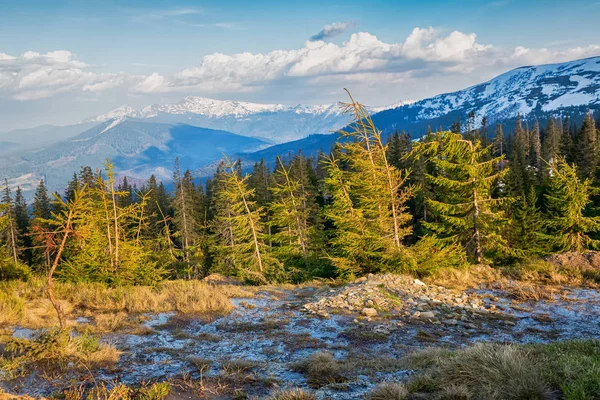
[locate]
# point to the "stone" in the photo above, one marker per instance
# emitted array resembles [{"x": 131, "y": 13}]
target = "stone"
[
  {"x": 450, "y": 322},
  {"x": 323, "y": 314},
  {"x": 369, "y": 312},
  {"x": 427, "y": 315},
  {"x": 419, "y": 283}
]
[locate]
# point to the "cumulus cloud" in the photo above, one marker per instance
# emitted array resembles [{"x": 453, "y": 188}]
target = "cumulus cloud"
[
  {"x": 32, "y": 75},
  {"x": 428, "y": 61},
  {"x": 362, "y": 53},
  {"x": 526, "y": 56},
  {"x": 335, "y": 29}
]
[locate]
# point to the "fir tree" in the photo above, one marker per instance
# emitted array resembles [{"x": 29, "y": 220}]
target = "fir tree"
[
  {"x": 372, "y": 192},
  {"x": 568, "y": 226},
  {"x": 240, "y": 232},
  {"x": 10, "y": 230},
  {"x": 41, "y": 202},
  {"x": 587, "y": 148},
  {"x": 293, "y": 210},
  {"x": 466, "y": 212},
  {"x": 552, "y": 140},
  {"x": 535, "y": 148}
]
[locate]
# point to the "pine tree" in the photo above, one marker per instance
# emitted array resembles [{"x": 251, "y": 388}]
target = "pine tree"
[
  {"x": 41, "y": 202},
  {"x": 371, "y": 191},
  {"x": 10, "y": 230},
  {"x": 587, "y": 148},
  {"x": 240, "y": 233},
  {"x": 188, "y": 212},
  {"x": 465, "y": 210},
  {"x": 566, "y": 144},
  {"x": 535, "y": 148},
  {"x": 552, "y": 140},
  {"x": 568, "y": 226},
  {"x": 293, "y": 209}
]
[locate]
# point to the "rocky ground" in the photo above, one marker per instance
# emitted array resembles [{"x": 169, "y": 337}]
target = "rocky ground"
[{"x": 368, "y": 325}]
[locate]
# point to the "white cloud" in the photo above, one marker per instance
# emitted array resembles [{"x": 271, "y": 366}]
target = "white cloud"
[
  {"x": 34, "y": 76},
  {"x": 424, "y": 49},
  {"x": 335, "y": 29},
  {"x": 426, "y": 62},
  {"x": 525, "y": 56}
]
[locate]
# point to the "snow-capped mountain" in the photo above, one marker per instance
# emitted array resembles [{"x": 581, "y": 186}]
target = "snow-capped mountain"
[
  {"x": 535, "y": 92},
  {"x": 275, "y": 122}
]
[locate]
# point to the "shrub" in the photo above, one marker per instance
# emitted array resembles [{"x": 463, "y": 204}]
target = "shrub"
[
  {"x": 321, "y": 368},
  {"x": 292, "y": 394},
  {"x": 388, "y": 391},
  {"x": 488, "y": 371},
  {"x": 56, "y": 348}
]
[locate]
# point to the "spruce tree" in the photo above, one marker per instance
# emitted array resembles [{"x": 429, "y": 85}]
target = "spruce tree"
[
  {"x": 465, "y": 210},
  {"x": 242, "y": 247},
  {"x": 22, "y": 225},
  {"x": 188, "y": 214},
  {"x": 568, "y": 224},
  {"x": 41, "y": 202},
  {"x": 293, "y": 212},
  {"x": 499, "y": 141},
  {"x": 587, "y": 148},
  {"x": 10, "y": 230},
  {"x": 535, "y": 148},
  {"x": 552, "y": 141},
  {"x": 374, "y": 193}
]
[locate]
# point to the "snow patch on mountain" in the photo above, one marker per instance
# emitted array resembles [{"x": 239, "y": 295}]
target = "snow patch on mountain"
[{"x": 523, "y": 90}]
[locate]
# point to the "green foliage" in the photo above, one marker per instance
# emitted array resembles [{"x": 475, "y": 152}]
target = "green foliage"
[
  {"x": 568, "y": 226},
  {"x": 464, "y": 208},
  {"x": 430, "y": 254},
  {"x": 241, "y": 245},
  {"x": 50, "y": 348},
  {"x": 368, "y": 200}
]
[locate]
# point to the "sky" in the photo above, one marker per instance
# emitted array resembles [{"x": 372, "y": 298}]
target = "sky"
[{"x": 63, "y": 61}]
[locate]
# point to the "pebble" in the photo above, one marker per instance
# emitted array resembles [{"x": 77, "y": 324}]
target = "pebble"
[{"x": 369, "y": 312}]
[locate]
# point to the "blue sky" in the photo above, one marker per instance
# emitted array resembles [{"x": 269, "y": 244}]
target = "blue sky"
[{"x": 61, "y": 61}]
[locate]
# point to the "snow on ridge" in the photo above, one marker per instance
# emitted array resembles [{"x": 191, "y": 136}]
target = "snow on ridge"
[
  {"x": 120, "y": 112},
  {"x": 522, "y": 90},
  {"x": 223, "y": 108}
]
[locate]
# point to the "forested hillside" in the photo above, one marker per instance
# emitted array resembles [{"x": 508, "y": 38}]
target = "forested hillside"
[{"x": 470, "y": 195}]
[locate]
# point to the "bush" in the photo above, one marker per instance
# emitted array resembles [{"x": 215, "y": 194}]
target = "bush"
[
  {"x": 431, "y": 254},
  {"x": 321, "y": 369},
  {"x": 292, "y": 394},
  {"x": 388, "y": 391},
  {"x": 488, "y": 371},
  {"x": 56, "y": 348}
]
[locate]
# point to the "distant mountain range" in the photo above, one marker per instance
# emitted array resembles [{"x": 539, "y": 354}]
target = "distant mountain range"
[
  {"x": 275, "y": 123},
  {"x": 199, "y": 130},
  {"x": 138, "y": 149}
]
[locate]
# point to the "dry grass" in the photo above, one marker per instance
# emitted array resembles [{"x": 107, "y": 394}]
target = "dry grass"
[
  {"x": 321, "y": 369},
  {"x": 488, "y": 371},
  {"x": 238, "y": 366},
  {"x": 389, "y": 391},
  {"x": 101, "y": 391},
  {"x": 292, "y": 394},
  {"x": 465, "y": 278},
  {"x": 25, "y": 303},
  {"x": 56, "y": 350}
]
